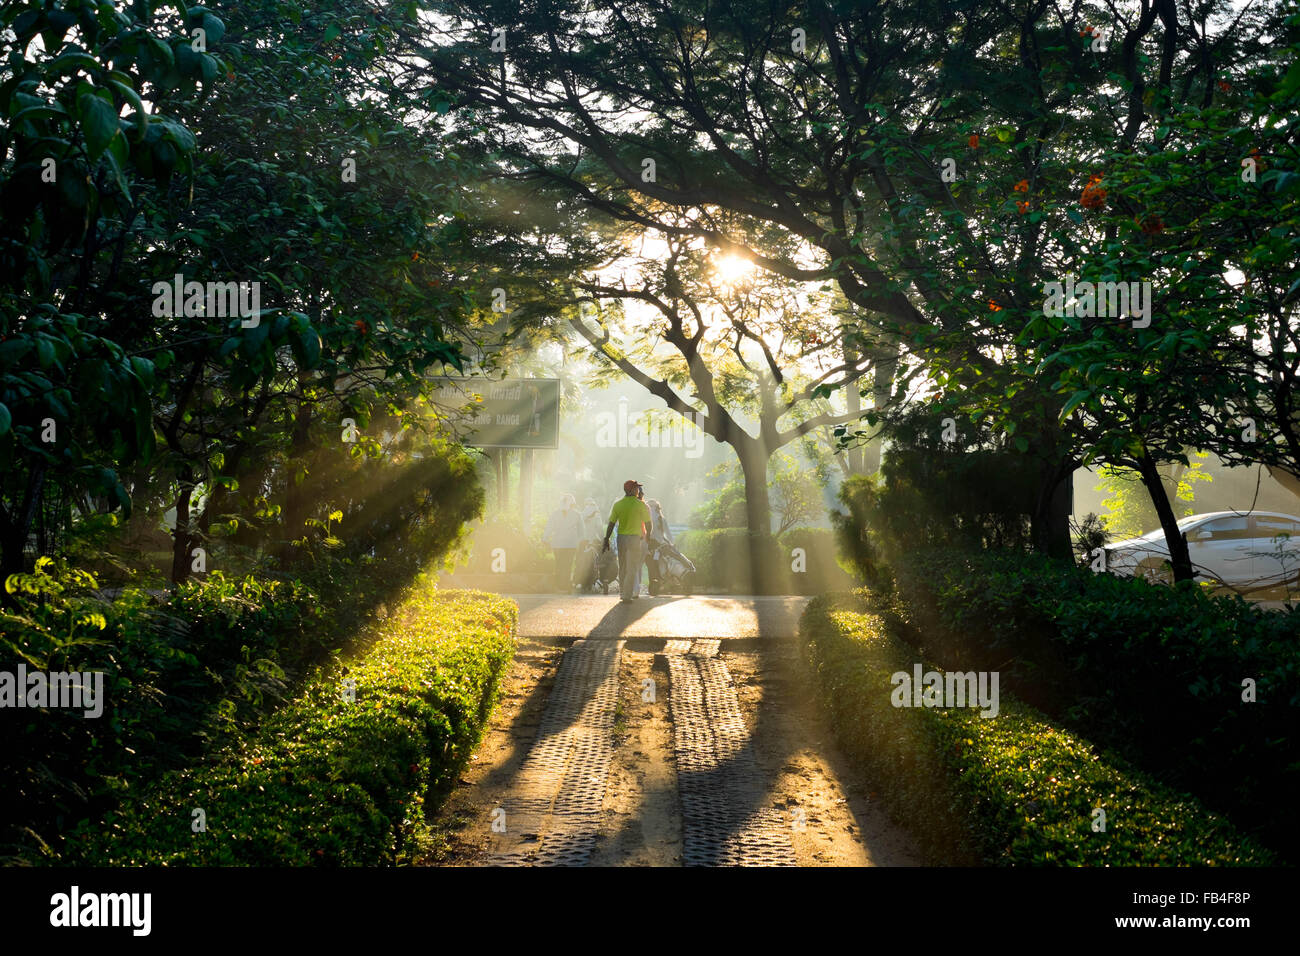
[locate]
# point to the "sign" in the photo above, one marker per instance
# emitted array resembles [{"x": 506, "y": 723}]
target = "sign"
[{"x": 510, "y": 413}]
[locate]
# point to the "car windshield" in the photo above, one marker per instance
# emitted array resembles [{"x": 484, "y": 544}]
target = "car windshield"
[{"x": 1159, "y": 532}]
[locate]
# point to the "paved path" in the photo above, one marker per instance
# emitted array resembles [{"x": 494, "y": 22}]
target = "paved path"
[
  {"x": 700, "y": 616},
  {"x": 671, "y": 731}
]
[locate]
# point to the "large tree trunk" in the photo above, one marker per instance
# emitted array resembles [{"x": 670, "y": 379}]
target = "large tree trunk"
[
  {"x": 758, "y": 517},
  {"x": 181, "y": 539},
  {"x": 882, "y": 389},
  {"x": 1179, "y": 556},
  {"x": 1050, "y": 521}
]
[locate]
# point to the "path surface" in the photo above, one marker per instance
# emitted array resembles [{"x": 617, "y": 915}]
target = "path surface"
[{"x": 668, "y": 732}]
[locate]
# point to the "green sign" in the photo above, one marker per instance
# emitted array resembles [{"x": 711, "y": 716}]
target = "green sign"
[{"x": 511, "y": 413}]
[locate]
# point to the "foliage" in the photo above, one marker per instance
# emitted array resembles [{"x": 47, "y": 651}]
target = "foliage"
[
  {"x": 331, "y": 781},
  {"x": 1130, "y": 513},
  {"x": 1153, "y": 672},
  {"x": 1090, "y": 535},
  {"x": 822, "y": 571},
  {"x": 1015, "y": 789},
  {"x": 736, "y": 561},
  {"x": 795, "y": 497}
]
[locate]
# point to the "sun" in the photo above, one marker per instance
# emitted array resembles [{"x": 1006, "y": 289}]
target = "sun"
[{"x": 731, "y": 270}]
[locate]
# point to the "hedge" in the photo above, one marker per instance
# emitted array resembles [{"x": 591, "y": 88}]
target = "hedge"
[
  {"x": 731, "y": 559},
  {"x": 823, "y": 572},
  {"x": 1014, "y": 789},
  {"x": 1151, "y": 671},
  {"x": 326, "y": 780}
]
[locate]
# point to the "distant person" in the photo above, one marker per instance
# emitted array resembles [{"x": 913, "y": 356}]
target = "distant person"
[
  {"x": 632, "y": 517},
  {"x": 564, "y": 533},
  {"x": 645, "y": 542},
  {"x": 591, "y": 519},
  {"x": 656, "y": 539}
]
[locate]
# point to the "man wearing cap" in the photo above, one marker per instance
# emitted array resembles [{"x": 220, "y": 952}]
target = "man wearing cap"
[{"x": 633, "y": 518}]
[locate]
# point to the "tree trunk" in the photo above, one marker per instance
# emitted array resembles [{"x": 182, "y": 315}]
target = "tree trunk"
[
  {"x": 15, "y": 531},
  {"x": 1050, "y": 521},
  {"x": 764, "y": 576},
  {"x": 181, "y": 537},
  {"x": 1178, "y": 553},
  {"x": 882, "y": 388},
  {"x": 296, "y": 504},
  {"x": 526, "y": 486}
]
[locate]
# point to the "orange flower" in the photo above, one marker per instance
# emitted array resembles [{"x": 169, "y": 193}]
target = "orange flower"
[
  {"x": 1022, "y": 186},
  {"x": 361, "y": 326},
  {"x": 994, "y": 307},
  {"x": 1023, "y": 206},
  {"x": 1093, "y": 196},
  {"x": 974, "y": 141},
  {"x": 1224, "y": 86}
]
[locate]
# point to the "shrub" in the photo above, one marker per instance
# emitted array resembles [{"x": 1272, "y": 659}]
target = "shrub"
[
  {"x": 1015, "y": 789},
  {"x": 736, "y": 561},
  {"x": 823, "y": 571},
  {"x": 209, "y": 659},
  {"x": 1151, "y": 671},
  {"x": 330, "y": 781}
]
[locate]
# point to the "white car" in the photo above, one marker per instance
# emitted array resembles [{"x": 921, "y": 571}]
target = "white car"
[{"x": 1249, "y": 552}]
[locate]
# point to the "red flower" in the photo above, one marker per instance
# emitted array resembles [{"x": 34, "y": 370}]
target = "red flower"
[
  {"x": 1022, "y": 186},
  {"x": 361, "y": 326},
  {"x": 994, "y": 307},
  {"x": 1023, "y": 206},
  {"x": 974, "y": 141},
  {"x": 1224, "y": 86}
]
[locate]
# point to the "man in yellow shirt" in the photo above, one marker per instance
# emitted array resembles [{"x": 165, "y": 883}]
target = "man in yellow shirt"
[{"x": 633, "y": 519}]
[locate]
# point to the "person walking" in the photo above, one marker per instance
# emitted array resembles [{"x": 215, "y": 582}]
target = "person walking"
[
  {"x": 631, "y": 516},
  {"x": 564, "y": 533},
  {"x": 656, "y": 538}
]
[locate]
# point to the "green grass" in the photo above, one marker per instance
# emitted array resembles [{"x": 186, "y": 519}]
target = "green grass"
[
  {"x": 327, "y": 780},
  {"x": 1016, "y": 789}
]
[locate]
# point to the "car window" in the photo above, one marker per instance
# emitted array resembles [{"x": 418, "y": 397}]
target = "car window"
[
  {"x": 1222, "y": 529},
  {"x": 1267, "y": 526}
]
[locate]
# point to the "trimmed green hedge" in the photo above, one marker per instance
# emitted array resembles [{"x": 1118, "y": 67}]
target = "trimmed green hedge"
[
  {"x": 823, "y": 572},
  {"x": 730, "y": 559},
  {"x": 326, "y": 780},
  {"x": 1150, "y": 671},
  {"x": 1014, "y": 789}
]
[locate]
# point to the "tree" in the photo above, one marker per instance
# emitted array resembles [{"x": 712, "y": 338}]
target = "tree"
[
  {"x": 931, "y": 156},
  {"x": 736, "y": 352}
]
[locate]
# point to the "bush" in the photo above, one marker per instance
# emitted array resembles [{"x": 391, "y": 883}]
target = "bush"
[
  {"x": 1011, "y": 790},
  {"x": 736, "y": 561},
  {"x": 823, "y": 572},
  {"x": 1151, "y": 671},
  {"x": 207, "y": 660},
  {"x": 329, "y": 781}
]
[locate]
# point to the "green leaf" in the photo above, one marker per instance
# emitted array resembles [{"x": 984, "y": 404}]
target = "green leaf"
[
  {"x": 99, "y": 123},
  {"x": 6, "y": 420}
]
